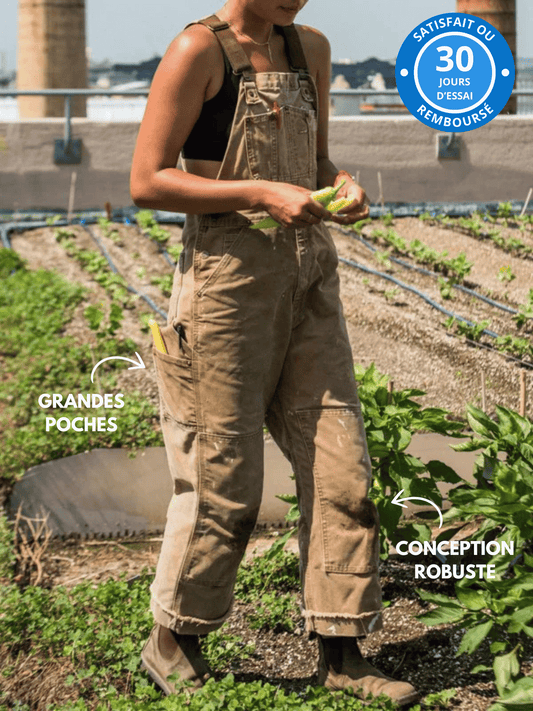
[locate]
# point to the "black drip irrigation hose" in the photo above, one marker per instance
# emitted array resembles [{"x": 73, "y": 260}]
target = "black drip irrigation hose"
[
  {"x": 427, "y": 272},
  {"x": 114, "y": 269},
  {"x": 84, "y": 219},
  {"x": 437, "y": 306},
  {"x": 417, "y": 292},
  {"x": 162, "y": 250}
]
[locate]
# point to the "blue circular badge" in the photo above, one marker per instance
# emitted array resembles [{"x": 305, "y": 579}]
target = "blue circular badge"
[{"x": 455, "y": 72}]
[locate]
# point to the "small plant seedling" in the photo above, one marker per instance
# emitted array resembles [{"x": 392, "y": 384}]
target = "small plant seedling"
[
  {"x": 505, "y": 210},
  {"x": 164, "y": 283},
  {"x": 446, "y": 288},
  {"x": 390, "y": 294},
  {"x": 383, "y": 258},
  {"x": 505, "y": 274}
]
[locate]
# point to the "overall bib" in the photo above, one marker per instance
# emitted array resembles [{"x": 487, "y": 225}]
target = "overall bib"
[{"x": 256, "y": 334}]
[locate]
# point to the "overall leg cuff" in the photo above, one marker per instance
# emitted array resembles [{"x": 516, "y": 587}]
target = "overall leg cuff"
[
  {"x": 183, "y": 624},
  {"x": 328, "y": 624}
]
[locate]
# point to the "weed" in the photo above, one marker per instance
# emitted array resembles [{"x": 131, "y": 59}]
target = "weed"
[
  {"x": 274, "y": 611},
  {"x": 278, "y": 572},
  {"x": 222, "y": 649}
]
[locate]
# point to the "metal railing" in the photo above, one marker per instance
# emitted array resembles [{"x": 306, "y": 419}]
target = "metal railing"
[{"x": 68, "y": 93}]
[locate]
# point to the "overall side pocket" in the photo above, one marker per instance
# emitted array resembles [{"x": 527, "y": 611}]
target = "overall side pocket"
[{"x": 174, "y": 378}]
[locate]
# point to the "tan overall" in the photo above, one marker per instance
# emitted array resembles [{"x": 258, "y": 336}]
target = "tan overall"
[{"x": 256, "y": 334}]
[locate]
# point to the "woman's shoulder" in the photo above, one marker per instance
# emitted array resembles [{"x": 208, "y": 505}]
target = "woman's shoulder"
[
  {"x": 313, "y": 40},
  {"x": 317, "y": 50},
  {"x": 194, "y": 43}
]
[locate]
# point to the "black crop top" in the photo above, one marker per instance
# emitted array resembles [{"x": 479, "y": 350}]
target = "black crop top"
[{"x": 210, "y": 134}]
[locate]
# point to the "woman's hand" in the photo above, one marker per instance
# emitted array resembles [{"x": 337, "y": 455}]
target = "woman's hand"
[
  {"x": 291, "y": 205},
  {"x": 358, "y": 208}
]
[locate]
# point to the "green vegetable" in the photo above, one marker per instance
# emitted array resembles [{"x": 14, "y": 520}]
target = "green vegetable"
[{"x": 323, "y": 196}]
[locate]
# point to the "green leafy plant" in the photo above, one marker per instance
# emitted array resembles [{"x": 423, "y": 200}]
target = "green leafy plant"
[
  {"x": 391, "y": 294},
  {"x": 7, "y": 553},
  {"x": 472, "y": 332},
  {"x": 95, "y": 317},
  {"x": 390, "y": 421},
  {"x": 505, "y": 210},
  {"x": 275, "y": 570},
  {"x": 358, "y": 226},
  {"x": 109, "y": 230},
  {"x": 525, "y": 311},
  {"x": 440, "y": 699},
  {"x": 445, "y": 288},
  {"x": 222, "y": 649},
  {"x": 499, "y": 609},
  {"x": 146, "y": 221},
  {"x": 96, "y": 264},
  {"x": 275, "y": 611},
  {"x": 383, "y": 259},
  {"x": 517, "y": 347},
  {"x": 175, "y": 251},
  {"x": 10, "y": 262},
  {"x": 35, "y": 308},
  {"x": 54, "y": 219},
  {"x": 164, "y": 283}
]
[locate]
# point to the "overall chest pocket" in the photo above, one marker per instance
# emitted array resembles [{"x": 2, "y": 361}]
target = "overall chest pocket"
[{"x": 281, "y": 144}]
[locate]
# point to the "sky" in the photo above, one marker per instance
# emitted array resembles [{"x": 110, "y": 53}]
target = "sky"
[{"x": 139, "y": 29}]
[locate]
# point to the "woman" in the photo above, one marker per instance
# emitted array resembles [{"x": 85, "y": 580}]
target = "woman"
[{"x": 255, "y": 333}]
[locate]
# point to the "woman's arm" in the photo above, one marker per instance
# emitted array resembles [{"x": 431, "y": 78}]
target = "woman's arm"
[
  {"x": 184, "y": 78},
  {"x": 317, "y": 49}
]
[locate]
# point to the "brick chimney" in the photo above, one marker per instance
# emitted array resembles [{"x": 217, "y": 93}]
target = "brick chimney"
[
  {"x": 51, "y": 55},
  {"x": 502, "y": 15}
]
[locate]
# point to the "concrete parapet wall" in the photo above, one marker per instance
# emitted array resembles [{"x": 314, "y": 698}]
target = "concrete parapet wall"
[{"x": 496, "y": 161}]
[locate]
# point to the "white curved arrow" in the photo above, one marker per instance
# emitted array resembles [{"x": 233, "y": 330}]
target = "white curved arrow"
[
  {"x": 137, "y": 364},
  {"x": 398, "y": 501}
]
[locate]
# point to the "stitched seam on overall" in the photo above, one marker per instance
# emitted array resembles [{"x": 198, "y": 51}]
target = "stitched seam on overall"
[
  {"x": 327, "y": 412},
  {"x": 222, "y": 264},
  {"x": 308, "y": 592},
  {"x": 195, "y": 536},
  {"x": 311, "y": 614},
  {"x": 199, "y": 424}
]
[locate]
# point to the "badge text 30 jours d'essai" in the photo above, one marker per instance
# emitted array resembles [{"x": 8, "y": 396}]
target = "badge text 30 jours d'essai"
[{"x": 455, "y": 72}]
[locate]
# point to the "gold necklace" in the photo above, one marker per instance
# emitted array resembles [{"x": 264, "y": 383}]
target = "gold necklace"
[{"x": 259, "y": 44}]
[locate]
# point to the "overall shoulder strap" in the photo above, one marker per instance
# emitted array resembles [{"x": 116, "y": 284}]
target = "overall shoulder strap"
[
  {"x": 231, "y": 48},
  {"x": 295, "y": 51}
]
